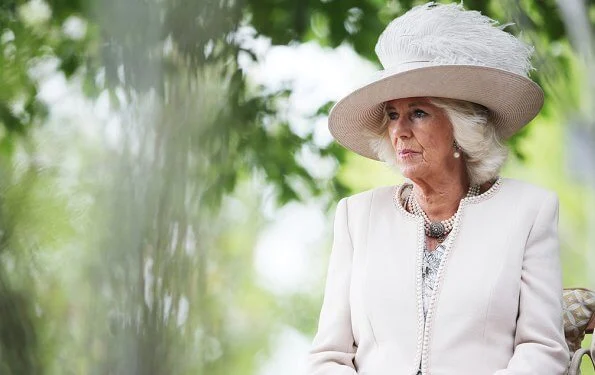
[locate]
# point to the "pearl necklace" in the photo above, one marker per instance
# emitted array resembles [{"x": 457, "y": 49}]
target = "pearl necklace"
[{"x": 436, "y": 229}]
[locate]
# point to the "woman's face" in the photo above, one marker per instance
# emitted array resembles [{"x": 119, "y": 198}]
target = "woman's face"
[{"x": 422, "y": 137}]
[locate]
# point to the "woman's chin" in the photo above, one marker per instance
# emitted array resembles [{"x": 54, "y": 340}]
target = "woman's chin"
[{"x": 409, "y": 171}]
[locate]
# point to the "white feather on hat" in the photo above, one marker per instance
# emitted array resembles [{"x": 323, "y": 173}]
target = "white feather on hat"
[{"x": 450, "y": 35}]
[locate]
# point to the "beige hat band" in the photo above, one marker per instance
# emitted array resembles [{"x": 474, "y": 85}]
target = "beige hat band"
[{"x": 402, "y": 67}]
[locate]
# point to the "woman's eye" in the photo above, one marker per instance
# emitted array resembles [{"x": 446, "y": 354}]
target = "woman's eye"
[
  {"x": 418, "y": 113},
  {"x": 393, "y": 115}
]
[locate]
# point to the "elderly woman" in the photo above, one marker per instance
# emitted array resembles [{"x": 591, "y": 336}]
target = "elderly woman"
[{"x": 457, "y": 271}]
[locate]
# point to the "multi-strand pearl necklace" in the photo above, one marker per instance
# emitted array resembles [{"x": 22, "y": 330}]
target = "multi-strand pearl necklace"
[{"x": 436, "y": 229}]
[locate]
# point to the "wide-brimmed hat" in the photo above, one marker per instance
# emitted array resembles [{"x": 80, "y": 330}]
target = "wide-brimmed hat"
[{"x": 442, "y": 51}]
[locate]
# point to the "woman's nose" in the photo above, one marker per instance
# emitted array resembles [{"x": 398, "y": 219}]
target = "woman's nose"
[{"x": 399, "y": 128}]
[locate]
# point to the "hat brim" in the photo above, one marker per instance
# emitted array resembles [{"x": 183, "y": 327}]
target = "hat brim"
[{"x": 512, "y": 100}]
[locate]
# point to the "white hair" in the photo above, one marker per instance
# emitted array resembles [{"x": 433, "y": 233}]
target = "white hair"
[{"x": 483, "y": 151}]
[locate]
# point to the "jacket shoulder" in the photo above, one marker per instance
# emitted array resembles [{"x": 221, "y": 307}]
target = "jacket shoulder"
[
  {"x": 361, "y": 206},
  {"x": 365, "y": 198},
  {"x": 526, "y": 191}
]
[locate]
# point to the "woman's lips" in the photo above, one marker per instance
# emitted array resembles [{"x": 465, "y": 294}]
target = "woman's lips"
[{"x": 407, "y": 153}]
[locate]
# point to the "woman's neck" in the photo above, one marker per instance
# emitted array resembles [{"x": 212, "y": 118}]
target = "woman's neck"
[{"x": 440, "y": 198}]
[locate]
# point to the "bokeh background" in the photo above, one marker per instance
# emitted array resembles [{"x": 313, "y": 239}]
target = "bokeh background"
[{"x": 167, "y": 179}]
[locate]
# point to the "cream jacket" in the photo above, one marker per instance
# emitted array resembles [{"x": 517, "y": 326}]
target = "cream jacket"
[{"x": 497, "y": 309}]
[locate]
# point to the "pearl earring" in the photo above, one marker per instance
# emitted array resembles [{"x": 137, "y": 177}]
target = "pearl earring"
[{"x": 456, "y": 154}]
